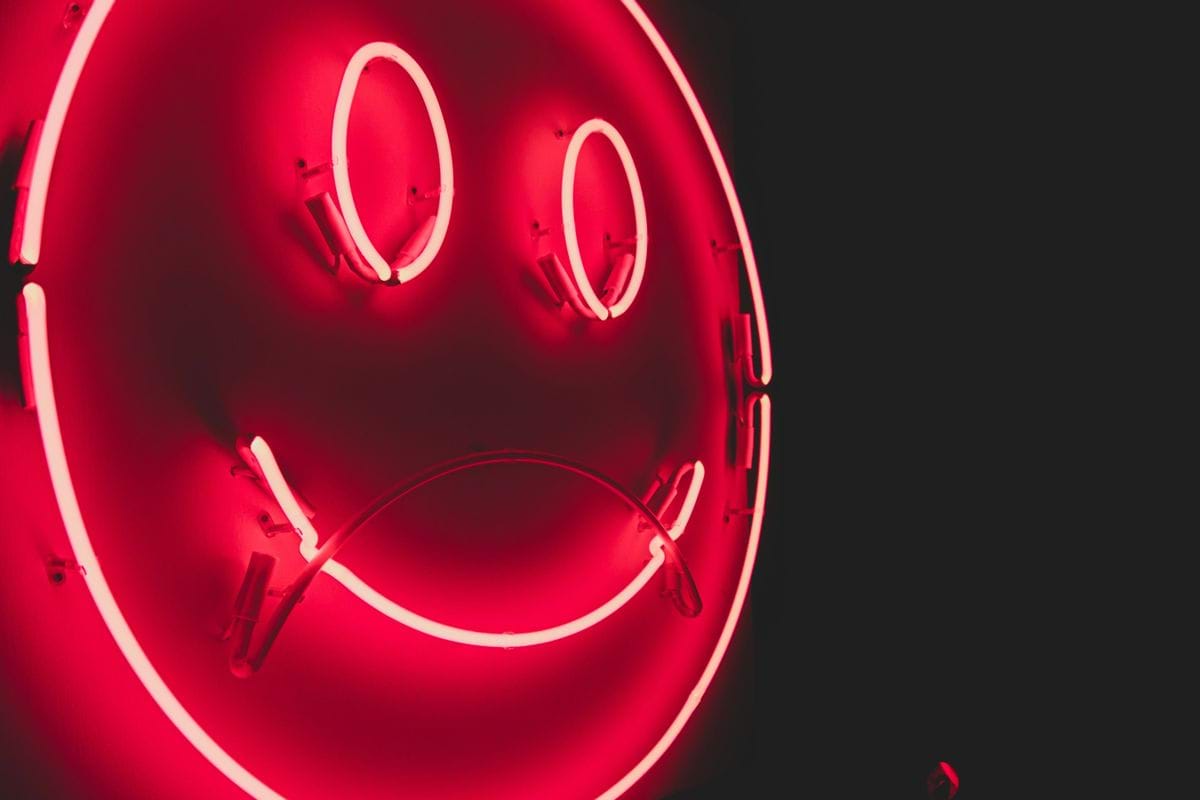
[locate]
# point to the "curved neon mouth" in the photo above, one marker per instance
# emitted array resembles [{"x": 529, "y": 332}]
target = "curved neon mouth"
[
  {"x": 408, "y": 265},
  {"x": 26, "y": 248},
  {"x": 663, "y": 550},
  {"x": 279, "y": 488},
  {"x": 621, "y": 296}
]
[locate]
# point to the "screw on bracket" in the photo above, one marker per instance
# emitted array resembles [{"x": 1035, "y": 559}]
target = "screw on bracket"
[
  {"x": 415, "y": 195},
  {"x": 270, "y": 528},
  {"x": 618, "y": 244},
  {"x": 74, "y": 13},
  {"x": 57, "y": 569},
  {"x": 730, "y": 513},
  {"x": 308, "y": 173}
]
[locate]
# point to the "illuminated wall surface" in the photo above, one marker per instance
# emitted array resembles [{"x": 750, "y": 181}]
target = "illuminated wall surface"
[{"x": 538, "y": 248}]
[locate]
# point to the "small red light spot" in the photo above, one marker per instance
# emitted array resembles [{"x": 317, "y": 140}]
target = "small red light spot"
[{"x": 942, "y": 782}]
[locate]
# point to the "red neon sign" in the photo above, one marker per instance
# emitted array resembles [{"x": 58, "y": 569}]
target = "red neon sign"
[{"x": 27, "y": 243}]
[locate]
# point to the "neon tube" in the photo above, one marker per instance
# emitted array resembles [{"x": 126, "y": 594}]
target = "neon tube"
[
  {"x": 26, "y": 247},
  {"x": 679, "y": 582},
  {"x": 735, "y": 207},
  {"x": 341, "y": 171},
  {"x": 675, "y": 529},
  {"x": 731, "y": 621},
  {"x": 586, "y": 292},
  {"x": 34, "y": 301},
  {"x": 283, "y": 494}
]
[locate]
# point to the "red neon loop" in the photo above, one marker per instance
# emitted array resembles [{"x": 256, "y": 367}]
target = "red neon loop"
[
  {"x": 593, "y": 303},
  {"x": 284, "y": 495},
  {"x": 409, "y": 266}
]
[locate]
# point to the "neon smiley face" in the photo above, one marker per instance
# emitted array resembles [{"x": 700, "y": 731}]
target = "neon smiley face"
[{"x": 314, "y": 458}]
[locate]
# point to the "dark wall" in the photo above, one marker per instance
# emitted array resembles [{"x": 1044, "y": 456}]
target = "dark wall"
[{"x": 904, "y": 604}]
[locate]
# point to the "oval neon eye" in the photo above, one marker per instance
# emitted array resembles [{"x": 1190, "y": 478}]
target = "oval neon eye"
[
  {"x": 341, "y": 171},
  {"x": 586, "y": 292}
]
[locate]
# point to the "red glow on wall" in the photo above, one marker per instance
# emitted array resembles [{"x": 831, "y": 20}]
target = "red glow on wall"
[{"x": 510, "y": 593}]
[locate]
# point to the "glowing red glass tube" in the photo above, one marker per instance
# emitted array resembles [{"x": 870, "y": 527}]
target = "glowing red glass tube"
[
  {"x": 282, "y": 491},
  {"x": 33, "y": 300},
  {"x": 735, "y": 207},
  {"x": 620, "y": 304},
  {"x": 409, "y": 265},
  {"x": 26, "y": 245}
]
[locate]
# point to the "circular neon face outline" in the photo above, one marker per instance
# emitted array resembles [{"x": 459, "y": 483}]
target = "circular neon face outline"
[
  {"x": 570, "y": 162},
  {"x": 341, "y": 169},
  {"x": 285, "y": 497},
  {"x": 32, "y": 300}
]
